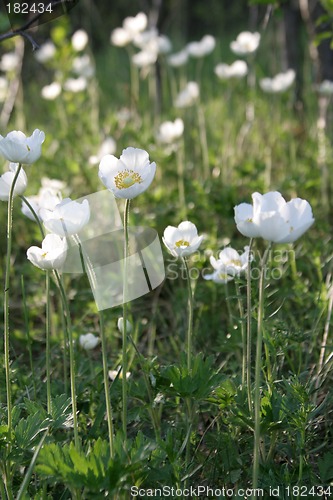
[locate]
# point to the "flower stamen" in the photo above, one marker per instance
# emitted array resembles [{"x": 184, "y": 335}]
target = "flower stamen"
[
  {"x": 182, "y": 243},
  {"x": 127, "y": 178}
]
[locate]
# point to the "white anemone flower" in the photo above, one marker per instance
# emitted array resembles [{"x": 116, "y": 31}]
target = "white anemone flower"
[
  {"x": 279, "y": 83},
  {"x": 233, "y": 262},
  {"x": 188, "y": 96},
  {"x": 46, "y": 52},
  {"x": 238, "y": 69},
  {"x": 79, "y": 40},
  {"x": 88, "y": 341},
  {"x": 6, "y": 181},
  {"x": 203, "y": 48},
  {"x": 178, "y": 58},
  {"x": 83, "y": 66},
  {"x": 52, "y": 255},
  {"x": 144, "y": 58},
  {"x": 18, "y": 148},
  {"x": 245, "y": 43},
  {"x": 183, "y": 240},
  {"x": 120, "y": 325},
  {"x": 46, "y": 198},
  {"x": 51, "y": 92},
  {"x": 128, "y": 176},
  {"x": 274, "y": 219},
  {"x": 219, "y": 275},
  {"x": 67, "y": 218},
  {"x": 169, "y": 132}
]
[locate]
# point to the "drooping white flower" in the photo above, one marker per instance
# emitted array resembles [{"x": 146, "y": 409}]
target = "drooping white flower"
[
  {"x": 188, "y": 96},
  {"x": 245, "y": 43},
  {"x": 128, "y": 176},
  {"x": 274, "y": 219},
  {"x": 9, "y": 62},
  {"x": 203, "y": 48},
  {"x": 88, "y": 341},
  {"x": 79, "y": 40},
  {"x": 67, "y": 218},
  {"x": 18, "y": 148},
  {"x": 169, "y": 132},
  {"x": 279, "y": 83},
  {"x": 76, "y": 85},
  {"x": 48, "y": 197},
  {"x": 237, "y": 69},
  {"x": 120, "y": 325},
  {"x": 178, "y": 59},
  {"x": 52, "y": 255},
  {"x": 45, "y": 52},
  {"x": 51, "y": 92},
  {"x": 182, "y": 240},
  {"x": 6, "y": 181}
]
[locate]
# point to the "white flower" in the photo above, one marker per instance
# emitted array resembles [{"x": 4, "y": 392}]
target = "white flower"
[
  {"x": 128, "y": 176},
  {"x": 135, "y": 24},
  {"x": 67, "y": 218},
  {"x": 204, "y": 47},
  {"x": 6, "y": 181},
  {"x": 75, "y": 84},
  {"x": 151, "y": 41},
  {"x": 79, "y": 40},
  {"x": 51, "y": 92},
  {"x": 52, "y": 255},
  {"x": 188, "y": 95},
  {"x": 229, "y": 264},
  {"x": 178, "y": 59},
  {"x": 237, "y": 69},
  {"x": 325, "y": 88},
  {"x": 45, "y": 52},
  {"x": 88, "y": 341},
  {"x": 245, "y": 43},
  {"x": 54, "y": 185},
  {"x": 273, "y": 219},
  {"x": 83, "y": 66},
  {"x": 120, "y": 325},
  {"x": 169, "y": 132},
  {"x": 120, "y": 37},
  {"x": 18, "y": 148},
  {"x": 113, "y": 374},
  {"x": 182, "y": 240},
  {"x": 280, "y": 83},
  {"x": 9, "y": 62}
]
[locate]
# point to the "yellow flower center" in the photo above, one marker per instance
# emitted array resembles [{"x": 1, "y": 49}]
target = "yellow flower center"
[
  {"x": 182, "y": 243},
  {"x": 223, "y": 276},
  {"x": 126, "y": 179},
  {"x": 44, "y": 255},
  {"x": 235, "y": 262}
]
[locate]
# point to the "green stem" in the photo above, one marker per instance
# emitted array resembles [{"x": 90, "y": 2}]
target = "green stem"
[
  {"x": 190, "y": 316},
  {"x": 241, "y": 313},
  {"x": 29, "y": 340},
  {"x": 6, "y": 300},
  {"x": 48, "y": 344},
  {"x": 257, "y": 399},
  {"x": 203, "y": 140},
  {"x": 71, "y": 357},
  {"x": 249, "y": 327},
  {"x": 124, "y": 330},
  {"x": 37, "y": 219},
  {"x": 106, "y": 384},
  {"x": 181, "y": 184}
]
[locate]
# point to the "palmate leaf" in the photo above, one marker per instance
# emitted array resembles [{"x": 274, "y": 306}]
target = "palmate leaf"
[{"x": 28, "y": 429}]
